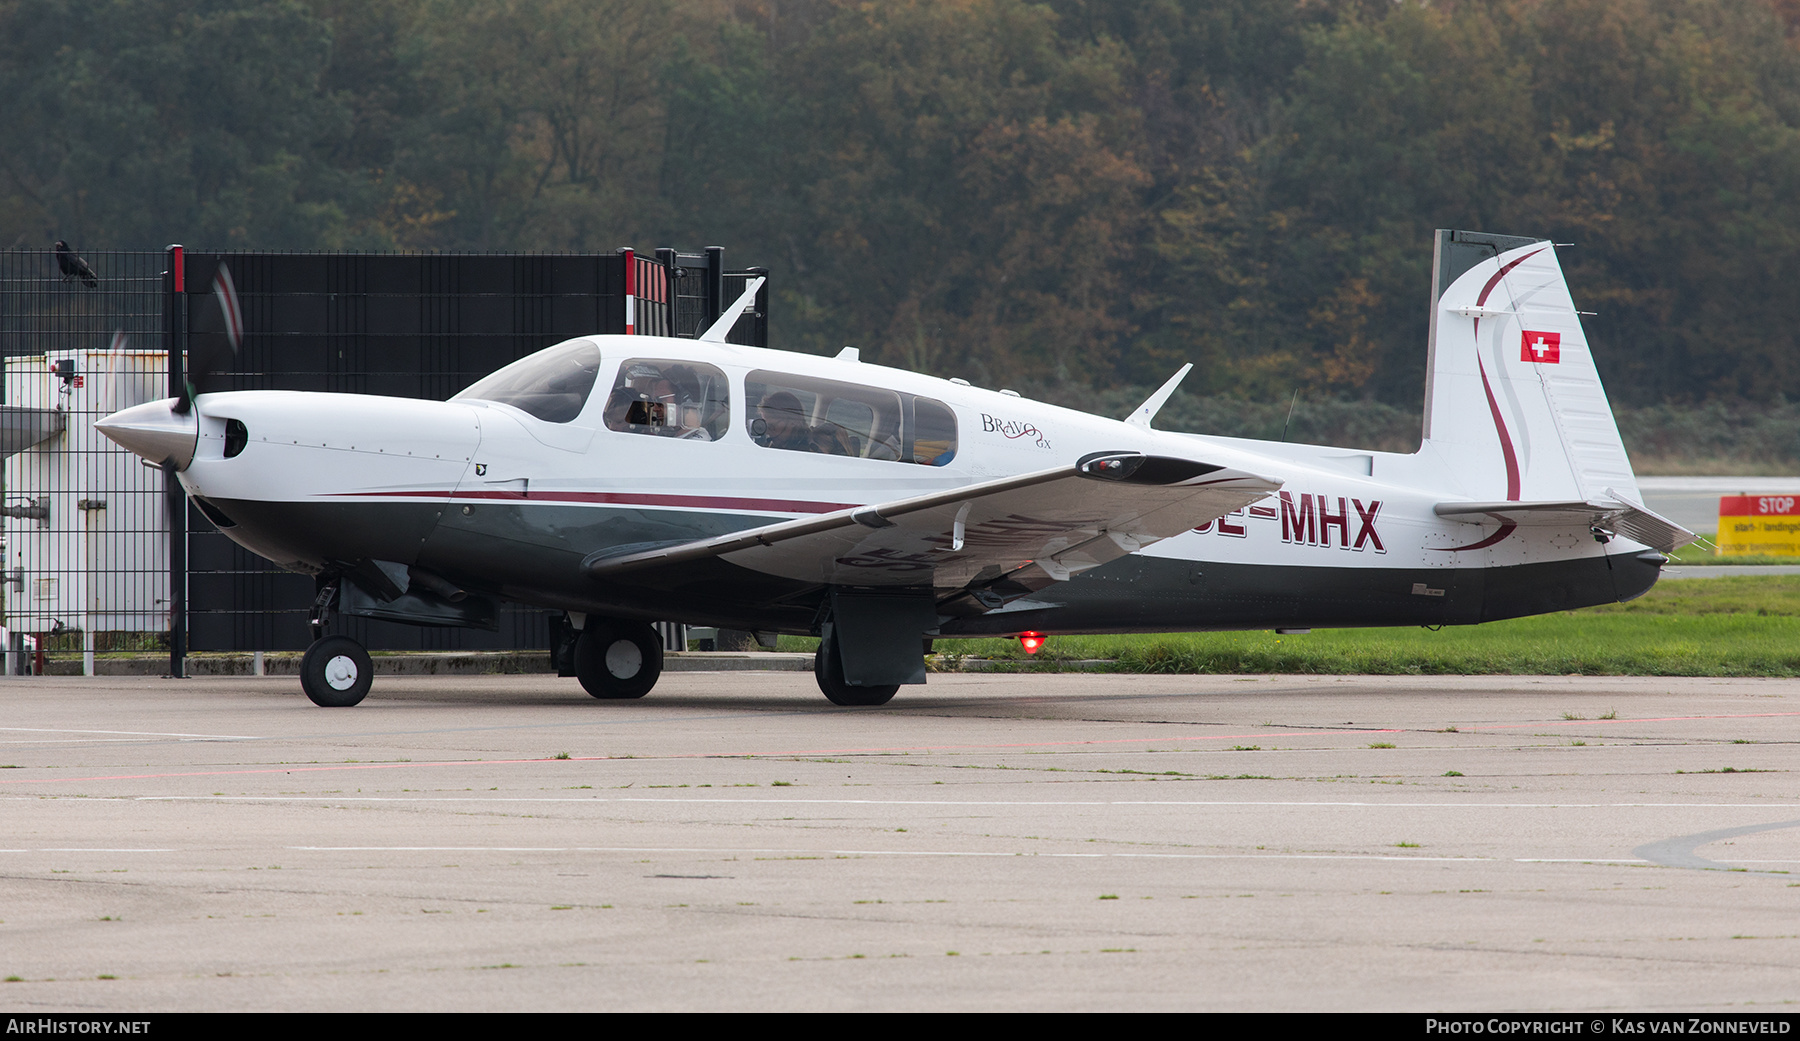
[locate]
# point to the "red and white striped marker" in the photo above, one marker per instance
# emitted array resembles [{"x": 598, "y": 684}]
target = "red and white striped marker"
[{"x": 630, "y": 292}]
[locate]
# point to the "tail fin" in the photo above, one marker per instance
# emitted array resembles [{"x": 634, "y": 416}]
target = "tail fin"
[{"x": 1513, "y": 403}]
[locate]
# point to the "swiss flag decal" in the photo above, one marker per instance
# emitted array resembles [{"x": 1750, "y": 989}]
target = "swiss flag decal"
[{"x": 1544, "y": 347}]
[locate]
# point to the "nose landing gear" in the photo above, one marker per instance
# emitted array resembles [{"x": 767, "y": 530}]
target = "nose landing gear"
[{"x": 336, "y": 672}]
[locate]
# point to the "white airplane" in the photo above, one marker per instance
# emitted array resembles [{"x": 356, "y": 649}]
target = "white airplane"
[{"x": 626, "y": 479}]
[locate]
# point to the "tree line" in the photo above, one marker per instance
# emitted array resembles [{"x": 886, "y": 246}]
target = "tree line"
[{"x": 1055, "y": 194}]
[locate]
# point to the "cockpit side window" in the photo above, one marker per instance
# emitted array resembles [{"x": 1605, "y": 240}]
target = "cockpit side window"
[
  {"x": 664, "y": 398},
  {"x": 552, "y": 384}
]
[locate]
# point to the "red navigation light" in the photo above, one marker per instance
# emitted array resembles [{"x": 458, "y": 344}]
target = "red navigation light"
[{"x": 1032, "y": 641}]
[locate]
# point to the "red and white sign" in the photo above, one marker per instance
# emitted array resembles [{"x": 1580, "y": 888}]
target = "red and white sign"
[
  {"x": 1541, "y": 347},
  {"x": 1759, "y": 505}
]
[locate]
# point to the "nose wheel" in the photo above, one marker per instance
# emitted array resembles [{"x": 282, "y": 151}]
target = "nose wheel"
[
  {"x": 336, "y": 672},
  {"x": 618, "y": 659}
]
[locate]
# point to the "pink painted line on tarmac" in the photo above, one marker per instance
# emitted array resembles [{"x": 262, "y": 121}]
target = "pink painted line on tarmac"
[
  {"x": 274, "y": 770},
  {"x": 683, "y": 755},
  {"x": 894, "y": 749},
  {"x": 1645, "y": 719},
  {"x": 1038, "y": 744}
]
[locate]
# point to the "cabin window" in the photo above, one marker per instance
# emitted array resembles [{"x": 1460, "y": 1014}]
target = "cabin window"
[
  {"x": 552, "y": 384},
  {"x": 933, "y": 433},
  {"x": 826, "y": 417},
  {"x": 666, "y": 398}
]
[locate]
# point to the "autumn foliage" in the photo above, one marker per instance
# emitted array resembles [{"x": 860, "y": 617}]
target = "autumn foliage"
[{"x": 1073, "y": 192}]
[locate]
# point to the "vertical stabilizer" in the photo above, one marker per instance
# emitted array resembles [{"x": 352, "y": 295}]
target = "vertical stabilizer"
[{"x": 1513, "y": 402}]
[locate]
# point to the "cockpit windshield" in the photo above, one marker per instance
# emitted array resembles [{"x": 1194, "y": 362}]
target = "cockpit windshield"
[{"x": 552, "y": 384}]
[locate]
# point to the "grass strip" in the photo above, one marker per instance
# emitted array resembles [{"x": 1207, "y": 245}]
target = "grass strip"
[
  {"x": 1735, "y": 626},
  {"x": 1563, "y": 644}
]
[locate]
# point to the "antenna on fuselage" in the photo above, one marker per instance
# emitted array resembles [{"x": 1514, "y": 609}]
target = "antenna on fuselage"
[
  {"x": 728, "y": 317},
  {"x": 1143, "y": 414},
  {"x": 1290, "y": 418}
]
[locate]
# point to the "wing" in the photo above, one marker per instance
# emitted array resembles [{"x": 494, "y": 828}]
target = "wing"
[
  {"x": 1616, "y": 516},
  {"x": 1025, "y": 531}
]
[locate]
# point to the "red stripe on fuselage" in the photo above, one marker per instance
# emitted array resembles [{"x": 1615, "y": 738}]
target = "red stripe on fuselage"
[
  {"x": 711, "y": 502},
  {"x": 1506, "y": 528}
]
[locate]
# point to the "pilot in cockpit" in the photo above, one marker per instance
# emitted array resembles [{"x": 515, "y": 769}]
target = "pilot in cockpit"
[
  {"x": 663, "y": 400},
  {"x": 634, "y": 411},
  {"x": 688, "y": 411}
]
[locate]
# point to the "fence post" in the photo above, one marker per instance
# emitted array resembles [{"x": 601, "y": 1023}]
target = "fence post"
[
  {"x": 759, "y": 335},
  {"x": 175, "y": 341},
  {"x": 630, "y": 290}
]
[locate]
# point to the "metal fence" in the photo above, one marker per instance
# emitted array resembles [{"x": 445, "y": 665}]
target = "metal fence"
[
  {"x": 85, "y": 525},
  {"x": 88, "y": 527}
]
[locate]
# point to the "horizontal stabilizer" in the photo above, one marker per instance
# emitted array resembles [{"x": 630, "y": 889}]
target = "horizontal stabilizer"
[
  {"x": 1615, "y": 515},
  {"x": 1041, "y": 527}
]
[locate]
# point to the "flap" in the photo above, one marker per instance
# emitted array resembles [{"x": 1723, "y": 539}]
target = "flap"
[{"x": 1058, "y": 522}]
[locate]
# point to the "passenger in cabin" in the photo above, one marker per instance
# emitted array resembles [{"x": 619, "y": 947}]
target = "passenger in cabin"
[
  {"x": 784, "y": 423},
  {"x": 830, "y": 418},
  {"x": 885, "y": 448},
  {"x": 828, "y": 438}
]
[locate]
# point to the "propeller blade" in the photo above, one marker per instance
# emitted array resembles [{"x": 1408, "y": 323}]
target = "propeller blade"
[
  {"x": 213, "y": 343},
  {"x": 228, "y": 303}
]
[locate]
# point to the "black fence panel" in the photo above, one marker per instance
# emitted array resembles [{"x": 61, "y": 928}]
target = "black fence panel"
[
  {"x": 752, "y": 326},
  {"x": 85, "y": 524},
  {"x": 398, "y": 325},
  {"x": 421, "y": 326}
]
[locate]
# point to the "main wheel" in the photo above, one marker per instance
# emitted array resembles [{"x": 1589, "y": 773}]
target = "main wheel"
[
  {"x": 828, "y": 669},
  {"x": 618, "y": 659},
  {"x": 336, "y": 672}
]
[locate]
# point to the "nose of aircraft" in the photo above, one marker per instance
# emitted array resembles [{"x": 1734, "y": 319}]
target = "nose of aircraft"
[{"x": 155, "y": 431}]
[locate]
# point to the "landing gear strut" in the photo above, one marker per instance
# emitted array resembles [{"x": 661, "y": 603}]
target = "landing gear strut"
[
  {"x": 618, "y": 659},
  {"x": 335, "y": 672},
  {"x": 828, "y": 669}
]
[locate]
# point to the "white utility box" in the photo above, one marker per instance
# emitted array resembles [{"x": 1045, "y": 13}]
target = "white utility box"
[{"x": 85, "y": 522}]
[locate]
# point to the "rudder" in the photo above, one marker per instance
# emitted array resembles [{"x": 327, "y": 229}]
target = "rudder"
[{"x": 1514, "y": 405}]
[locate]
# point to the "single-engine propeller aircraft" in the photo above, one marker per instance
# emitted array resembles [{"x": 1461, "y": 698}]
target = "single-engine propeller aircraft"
[{"x": 626, "y": 479}]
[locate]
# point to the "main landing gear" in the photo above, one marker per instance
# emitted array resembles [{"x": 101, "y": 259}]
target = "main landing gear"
[
  {"x": 617, "y": 659},
  {"x": 335, "y": 672},
  {"x": 828, "y": 669}
]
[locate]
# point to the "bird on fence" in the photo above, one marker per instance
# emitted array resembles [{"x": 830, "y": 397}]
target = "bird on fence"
[{"x": 73, "y": 267}]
